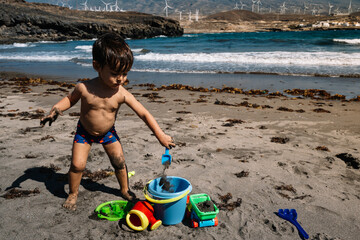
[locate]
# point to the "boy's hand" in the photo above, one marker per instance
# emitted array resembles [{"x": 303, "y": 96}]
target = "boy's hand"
[
  {"x": 54, "y": 113},
  {"x": 167, "y": 141}
]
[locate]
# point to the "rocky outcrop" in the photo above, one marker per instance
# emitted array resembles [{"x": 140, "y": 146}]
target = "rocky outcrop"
[{"x": 27, "y": 22}]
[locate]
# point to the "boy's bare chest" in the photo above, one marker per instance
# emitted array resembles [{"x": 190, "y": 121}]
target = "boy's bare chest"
[{"x": 93, "y": 102}]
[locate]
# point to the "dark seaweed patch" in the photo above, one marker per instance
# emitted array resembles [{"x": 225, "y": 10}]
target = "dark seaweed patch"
[
  {"x": 242, "y": 174},
  {"x": 321, "y": 110},
  {"x": 226, "y": 205},
  {"x": 98, "y": 175},
  {"x": 349, "y": 159},
  {"x": 17, "y": 193},
  {"x": 281, "y": 140},
  {"x": 289, "y": 188},
  {"x": 138, "y": 185},
  {"x": 322, "y": 148}
]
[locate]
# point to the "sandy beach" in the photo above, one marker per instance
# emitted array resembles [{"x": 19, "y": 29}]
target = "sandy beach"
[{"x": 252, "y": 154}]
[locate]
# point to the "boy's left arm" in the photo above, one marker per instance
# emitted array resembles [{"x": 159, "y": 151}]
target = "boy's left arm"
[{"x": 150, "y": 121}]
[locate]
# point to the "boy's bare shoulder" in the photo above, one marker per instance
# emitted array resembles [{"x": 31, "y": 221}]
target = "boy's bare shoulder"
[
  {"x": 126, "y": 95},
  {"x": 87, "y": 82},
  {"x": 124, "y": 92},
  {"x": 82, "y": 86}
]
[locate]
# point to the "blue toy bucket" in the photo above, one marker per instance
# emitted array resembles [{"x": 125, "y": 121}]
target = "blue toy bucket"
[{"x": 169, "y": 206}]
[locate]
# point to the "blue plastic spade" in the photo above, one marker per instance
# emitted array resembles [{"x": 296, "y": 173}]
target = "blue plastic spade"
[
  {"x": 291, "y": 216},
  {"x": 166, "y": 158}
]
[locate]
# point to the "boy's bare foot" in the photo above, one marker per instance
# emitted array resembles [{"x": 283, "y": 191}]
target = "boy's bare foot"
[
  {"x": 130, "y": 196},
  {"x": 70, "y": 202}
]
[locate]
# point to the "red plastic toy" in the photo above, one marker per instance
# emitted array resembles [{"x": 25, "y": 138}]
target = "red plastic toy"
[{"x": 141, "y": 215}]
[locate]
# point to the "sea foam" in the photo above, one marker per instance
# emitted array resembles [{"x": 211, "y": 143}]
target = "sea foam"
[
  {"x": 265, "y": 58},
  {"x": 348, "y": 41},
  {"x": 17, "y": 45},
  {"x": 86, "y": 48}
]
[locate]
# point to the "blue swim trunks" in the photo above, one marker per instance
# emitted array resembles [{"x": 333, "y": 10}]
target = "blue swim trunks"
[{"x": 82, "y": 136}]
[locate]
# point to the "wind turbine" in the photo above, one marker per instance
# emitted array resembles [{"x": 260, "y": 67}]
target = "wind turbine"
[
  {"x": 68, "y": 5},
  {"x": 166, "y": 8},
  {"x": 313, "y": 11},
  {"x": 258, "y": 5},
  {"x": 197, "y": 15},
  {"x": 330, "y": 7},
  {"x": 350, "y": 8},
  {"x": 85, "y": 5},
  {"x": 180, "y": 15},
  {"x": 253, "y": 5},
  {"x": 106, "y": 5},
  {"x": 236, "y": 6},
  {"x": 190, "y": 16},
  {"x": 305, "y": 7},
  {"x": 116, "y": 6},
  {"x": 61, "y": 3},
  {"x": 242, "y": 5},
  {"x": 283, "y": 9},
  {"x": 64, "y": 3}
]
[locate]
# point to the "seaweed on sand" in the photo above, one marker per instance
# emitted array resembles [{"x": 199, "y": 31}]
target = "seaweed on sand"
[
  {"x": 98, "y": 175},
  {"x": 281, "y": 140},
  {"x": 17, "y": 193},
  {"x": 226, "y": 205}
]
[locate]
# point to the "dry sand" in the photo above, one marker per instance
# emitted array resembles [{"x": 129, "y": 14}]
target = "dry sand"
[{"x": 217, "y": 156}]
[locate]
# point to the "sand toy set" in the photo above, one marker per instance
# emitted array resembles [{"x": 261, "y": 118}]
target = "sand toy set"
[{"x": 167, "y": 201}]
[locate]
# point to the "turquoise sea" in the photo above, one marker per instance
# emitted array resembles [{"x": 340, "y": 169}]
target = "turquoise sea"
[{"x": 328, "y": 60}]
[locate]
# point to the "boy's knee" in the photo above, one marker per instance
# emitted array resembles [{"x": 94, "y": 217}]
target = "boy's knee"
[
  {"x": 77, "y": 167},
  {"x": 118, "y": 162}
]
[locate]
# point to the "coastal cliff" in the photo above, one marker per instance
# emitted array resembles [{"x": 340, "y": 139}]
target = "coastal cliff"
[{"x": 21, "y": 21}]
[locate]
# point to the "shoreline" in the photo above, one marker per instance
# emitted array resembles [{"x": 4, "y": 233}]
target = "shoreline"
[
  {"x": 347, "y": 87},
  {"x": 262, "y": 153}
]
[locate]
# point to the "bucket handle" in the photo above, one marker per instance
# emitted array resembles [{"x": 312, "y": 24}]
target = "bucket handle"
[{"x": 165, "y": 200}]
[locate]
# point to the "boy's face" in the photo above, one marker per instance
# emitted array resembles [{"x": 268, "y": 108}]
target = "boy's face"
[{"x": 110, "y": 77}]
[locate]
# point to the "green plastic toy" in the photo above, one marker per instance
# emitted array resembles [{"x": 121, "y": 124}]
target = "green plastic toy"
[{"x": 114, "y": 210}]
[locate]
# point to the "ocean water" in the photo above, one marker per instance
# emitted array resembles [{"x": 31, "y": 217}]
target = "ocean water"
[{"x": 262, "y": 60}]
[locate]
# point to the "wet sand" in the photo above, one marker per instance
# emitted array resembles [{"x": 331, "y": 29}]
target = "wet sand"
[{"x": 252, "y": 154}]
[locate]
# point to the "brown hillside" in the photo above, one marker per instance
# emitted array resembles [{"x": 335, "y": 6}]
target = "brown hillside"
[{"x": 235, "y": 15}]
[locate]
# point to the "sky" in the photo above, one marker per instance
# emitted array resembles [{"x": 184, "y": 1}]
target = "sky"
[{"x": 212, "y": 6}]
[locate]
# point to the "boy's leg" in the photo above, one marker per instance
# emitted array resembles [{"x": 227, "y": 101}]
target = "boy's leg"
[
  {"x": 116, "y": 156},
  {"x": 80, "y": 154}
]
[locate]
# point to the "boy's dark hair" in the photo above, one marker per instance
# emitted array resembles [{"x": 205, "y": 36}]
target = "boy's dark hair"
[{"x": 111, "y": 49}]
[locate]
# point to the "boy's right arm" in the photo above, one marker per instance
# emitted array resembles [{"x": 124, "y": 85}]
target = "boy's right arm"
[
  {"x": 63, "y": 105},
  {"x": 150, "y": 121}
]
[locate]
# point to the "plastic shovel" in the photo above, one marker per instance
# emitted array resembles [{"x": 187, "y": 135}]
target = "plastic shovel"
[
  {"x": 166, "y": 158},
  {"x": 291, "y": 216}
]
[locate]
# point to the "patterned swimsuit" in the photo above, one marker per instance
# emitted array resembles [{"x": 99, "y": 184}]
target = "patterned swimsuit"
[{"x": 82, "y": 136}]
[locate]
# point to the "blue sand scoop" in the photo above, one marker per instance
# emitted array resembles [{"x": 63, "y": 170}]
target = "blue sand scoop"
[
  {"x": 166, "y": 158},
  {"x": 291, "y": 216}
]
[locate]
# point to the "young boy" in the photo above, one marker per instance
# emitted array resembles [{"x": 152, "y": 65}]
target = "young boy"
[{"x": 101, "y": 98}]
